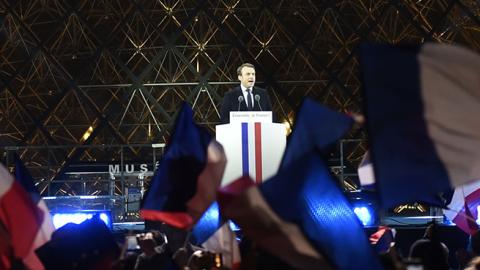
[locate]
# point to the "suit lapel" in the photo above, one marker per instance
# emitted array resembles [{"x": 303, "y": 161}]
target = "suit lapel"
[
  {"x": 243, "y": 105},
  {"x": 255, "y": 103}
]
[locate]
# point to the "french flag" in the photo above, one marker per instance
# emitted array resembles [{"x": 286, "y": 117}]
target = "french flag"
[
  {"x": 44, "y": 233},
  {"x": 383, "y": 239},
  {"x": 20, "y": 217},
  {"x": 365, "y": 172},
  {"x": 190, "y": 171},
  {"x": 214, "y": 233},
  {"x": 316, "y": 127},
  {"x": 421, "y": 105},
  {"x": 463, "y": 208},
  {"x": 300, "y": 216}
]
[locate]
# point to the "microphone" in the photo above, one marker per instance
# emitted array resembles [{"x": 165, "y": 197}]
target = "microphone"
[
  {"x": 240, "y": 100},
  {"x": 257, "y": 99}
]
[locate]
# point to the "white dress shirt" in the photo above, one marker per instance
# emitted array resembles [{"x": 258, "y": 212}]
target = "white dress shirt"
[{"x": 245, "y": 94}]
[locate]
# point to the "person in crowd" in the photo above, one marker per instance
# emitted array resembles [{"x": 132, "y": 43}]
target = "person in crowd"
[
  {"x": 246, "y": 96},
  {"x": 88, "y": 245},
  {"x": 153, "y": 246},
  {"x": 430, "y": 250}
]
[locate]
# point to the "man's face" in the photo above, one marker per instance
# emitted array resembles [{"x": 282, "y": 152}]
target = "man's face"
[{"x": 247, "y": 79}]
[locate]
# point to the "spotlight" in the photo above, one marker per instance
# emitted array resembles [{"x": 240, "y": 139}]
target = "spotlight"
[
  {"x": 364, "y": 206},
  {"x": 365, "y": 215},
  {"x": 62, "y": 218},
  {"x": 234, "y": 227}
]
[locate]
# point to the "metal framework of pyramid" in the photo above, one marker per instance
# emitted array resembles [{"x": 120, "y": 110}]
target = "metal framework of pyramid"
[{"x": 93, "y": 81}]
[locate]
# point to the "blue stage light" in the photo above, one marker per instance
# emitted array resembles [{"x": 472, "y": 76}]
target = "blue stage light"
[
  {"x": 234, "y": 227},
  {"x": 365, "y": 215},
  {"x": 62, "y": 218}
]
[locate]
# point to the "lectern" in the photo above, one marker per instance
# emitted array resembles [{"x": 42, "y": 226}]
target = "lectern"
[{"x": 253, "y": 145}]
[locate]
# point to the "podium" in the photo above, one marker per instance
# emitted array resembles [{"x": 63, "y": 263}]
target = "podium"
[{"x": 253, "y": 145}]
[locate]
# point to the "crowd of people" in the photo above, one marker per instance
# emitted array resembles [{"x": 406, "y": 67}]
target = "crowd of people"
[{"x": 91, "y": 245}]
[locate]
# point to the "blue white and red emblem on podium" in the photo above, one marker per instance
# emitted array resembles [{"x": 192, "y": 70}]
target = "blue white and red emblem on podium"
[{"x": 252, "y": 151}]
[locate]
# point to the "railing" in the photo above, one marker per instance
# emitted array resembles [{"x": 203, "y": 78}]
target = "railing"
[{"x": 120, "y": 182}]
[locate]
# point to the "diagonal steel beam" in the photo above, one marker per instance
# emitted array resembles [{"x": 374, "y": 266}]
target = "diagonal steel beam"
[
  {"x": 470, "y": 14},
  {"x": 170, "y": 41},
  {"x": 73, "y": 85}
]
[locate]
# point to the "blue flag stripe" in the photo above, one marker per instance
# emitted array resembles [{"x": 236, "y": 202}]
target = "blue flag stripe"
[
  {"x": 245, "y": 161},
  {"x": 309, "y": 133},
  {"x": 402, "y": 152},
  {"x": 317, "y": 205},
  {"x": 174, "y": 184}
]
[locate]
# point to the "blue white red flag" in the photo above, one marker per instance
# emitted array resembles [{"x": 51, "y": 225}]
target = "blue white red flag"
[
  {"x": 463, "y": 208},
  {"x": 315, "y": 126},
  {"x": 383, "y": 239},
  {"x": 365, "y": 172},
  {"x": 44, "y": 233},
  {"x": 420, "y": 108},
  {"x": 190, "y": 171},
  {"x": 299, "y": 216},
  {"x": 20, "y": 217}
]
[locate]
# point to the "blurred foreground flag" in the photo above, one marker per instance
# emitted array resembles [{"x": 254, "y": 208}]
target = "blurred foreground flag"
[
  {"x": 207, "y": 225},
  {"x": 190, "y": 171},
  {"x": 214, "y": 234},
  {"x": 383, "y": 239},
  {"x": 300, "y": 216},
  {"x": 365, "y": 172},
  {"x": 20, "y": 217},
  {"x": 421, "y": 108},
  {"x": 315, "y": 126},
  {"x": 463, "y": 208},
  {"x": 224, "y": 242},
  {"x": 22, "y": 176}
]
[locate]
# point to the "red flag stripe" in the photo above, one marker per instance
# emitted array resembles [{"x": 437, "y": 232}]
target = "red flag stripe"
[
  {"x": 258, "y": 153},
  {"x": 21, "y": 218}
]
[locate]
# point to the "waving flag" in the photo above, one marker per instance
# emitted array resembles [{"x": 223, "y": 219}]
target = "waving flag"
[
  {"x": 20, "y": 217},
  {"x": 187, "y": 177},
  {"x": 463, "y": 208},
  {"x": 316, "y": 126},
  {"x": 22, "y": 176},
  {"x": 224, "y": 242},
  {"x": 383, "y": 239},
  {"x": 365, "y": 172},
  {"x": 214, "y": 234},
  {"x": 299, "y": 217},
  {"x": 207, "y": 225},
  {"x": 421, "y": 105}
]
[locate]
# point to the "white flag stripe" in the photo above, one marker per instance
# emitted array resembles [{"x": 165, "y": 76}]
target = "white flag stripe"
[
  {"x": 6, "y": 180},
  {"x": 365, "y": 171},
  {"x": 223, "y": 241},
  {"x": 451, "y": 96},
  {"x": 458, "y": 199}
]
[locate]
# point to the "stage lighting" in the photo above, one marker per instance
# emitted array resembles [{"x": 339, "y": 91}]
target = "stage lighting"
[
  {"x": 77, "y": 217},
  {"x": 365, "y": 215},
  {"x": 234, "y": 227},
  {"x": 364, "y": 206}
]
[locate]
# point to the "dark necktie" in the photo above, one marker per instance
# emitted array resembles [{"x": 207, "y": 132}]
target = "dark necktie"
[{"x": 249, "y": 100}]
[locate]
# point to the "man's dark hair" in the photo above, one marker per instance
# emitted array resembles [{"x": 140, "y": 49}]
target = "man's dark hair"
[{"x": 239, "y": 69}]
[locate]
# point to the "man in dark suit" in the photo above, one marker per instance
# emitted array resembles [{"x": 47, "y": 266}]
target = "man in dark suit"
[{"x": 246, "y": 96}]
